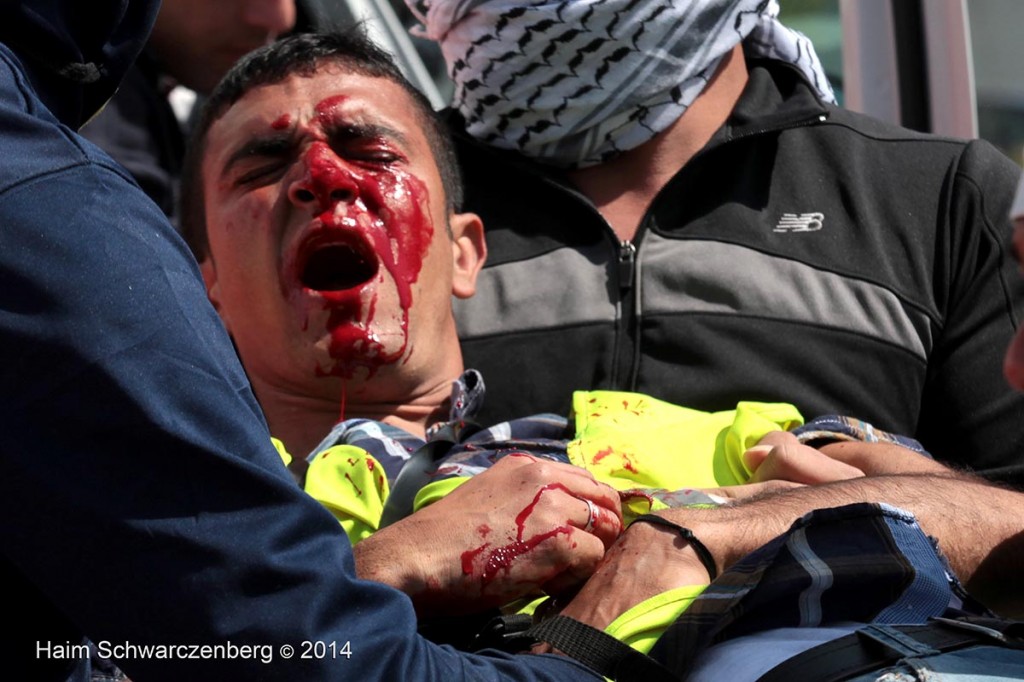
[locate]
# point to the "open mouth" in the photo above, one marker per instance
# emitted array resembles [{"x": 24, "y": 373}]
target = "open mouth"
[{"x": 337, "y": 265}]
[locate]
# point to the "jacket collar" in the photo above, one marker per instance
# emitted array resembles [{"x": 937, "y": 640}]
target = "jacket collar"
[{"x": 776, "y": 97}]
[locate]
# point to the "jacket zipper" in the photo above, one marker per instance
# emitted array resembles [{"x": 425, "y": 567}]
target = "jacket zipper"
[
  {"x": 627, "y": 279},
  {"x": 627, "y": 265},
  {"x": 630, "y": 265},
  {"x": 628, "y": 254}
]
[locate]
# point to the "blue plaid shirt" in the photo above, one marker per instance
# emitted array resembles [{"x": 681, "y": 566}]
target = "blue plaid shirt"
[{"x": 833, "y": 570}]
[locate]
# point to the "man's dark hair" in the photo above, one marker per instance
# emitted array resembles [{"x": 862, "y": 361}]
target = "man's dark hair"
[{"x": 303, "y": 54}]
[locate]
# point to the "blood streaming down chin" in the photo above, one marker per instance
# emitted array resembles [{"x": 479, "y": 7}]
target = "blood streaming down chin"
[{"x": 400, "y": 242}]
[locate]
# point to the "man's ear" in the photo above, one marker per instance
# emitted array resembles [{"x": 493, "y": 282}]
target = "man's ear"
[
  {"x": 469, "y": 250},
  {"x": 209, "y": 273}
]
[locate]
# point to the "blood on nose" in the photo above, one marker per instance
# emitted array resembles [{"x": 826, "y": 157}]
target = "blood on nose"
[{"x": 328, "y": 180}]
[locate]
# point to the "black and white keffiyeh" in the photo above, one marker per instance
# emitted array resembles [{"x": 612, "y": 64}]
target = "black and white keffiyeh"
[{"x": 573, "y": 83}]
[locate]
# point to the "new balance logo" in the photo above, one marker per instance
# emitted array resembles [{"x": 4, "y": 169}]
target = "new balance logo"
[{"x": 800, "y": 222}]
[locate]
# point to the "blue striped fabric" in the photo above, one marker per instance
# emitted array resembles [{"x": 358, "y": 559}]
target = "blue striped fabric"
[{"x": 866, "y": 563}]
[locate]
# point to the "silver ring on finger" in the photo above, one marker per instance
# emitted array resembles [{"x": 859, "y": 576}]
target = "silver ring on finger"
[{"x": 591, "y": 515}]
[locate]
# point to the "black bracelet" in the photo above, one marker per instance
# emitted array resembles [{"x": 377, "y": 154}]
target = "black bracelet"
[{"x": 702, "y": 551}]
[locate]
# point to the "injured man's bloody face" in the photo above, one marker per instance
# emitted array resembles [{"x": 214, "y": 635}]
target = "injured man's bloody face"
[{"x": 330, "y": 253}]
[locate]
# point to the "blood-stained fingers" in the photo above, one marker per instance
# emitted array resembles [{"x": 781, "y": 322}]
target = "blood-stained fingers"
[
  {"x": 567, "y": 492},
  {"x": 524, "y": 525}
]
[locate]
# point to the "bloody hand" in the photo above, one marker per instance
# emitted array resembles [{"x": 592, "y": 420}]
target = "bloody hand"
[{"x": 521, "y": 528}]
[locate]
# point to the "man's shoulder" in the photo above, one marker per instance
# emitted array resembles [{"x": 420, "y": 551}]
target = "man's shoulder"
[
  {"x": 35, "y": 143},
  {"x": 889, "y": 136},
  {"x": 778, "y": 87},
  {"x": 875, "y": 153},
  {"x": 889, "y": 152}
]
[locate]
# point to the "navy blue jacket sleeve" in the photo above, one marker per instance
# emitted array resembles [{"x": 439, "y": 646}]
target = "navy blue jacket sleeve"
[{"x": 142, "y": 500}]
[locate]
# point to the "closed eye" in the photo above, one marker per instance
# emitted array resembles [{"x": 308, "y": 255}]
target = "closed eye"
[
  {"x": 262, "y": 174},
  {"x": 259, "y": 158},
  {"x": 370, "y": 144},
  {"x": 373, "y": 156}
]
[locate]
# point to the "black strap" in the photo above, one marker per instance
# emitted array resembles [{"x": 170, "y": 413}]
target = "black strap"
[
  {"x": 686, "y": 534},
  {"x": 463, "y": 631},
  {"x": 508, "y": 632},
  {"x": 860, "y": 652},
  {"x": 414, "y": 475},
  {"x": 418, "y": 470},
  {"x": 600, "y": 651}
]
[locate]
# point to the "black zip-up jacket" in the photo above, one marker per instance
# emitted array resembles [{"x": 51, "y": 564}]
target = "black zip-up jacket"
[{"x": 807, "y": 254}]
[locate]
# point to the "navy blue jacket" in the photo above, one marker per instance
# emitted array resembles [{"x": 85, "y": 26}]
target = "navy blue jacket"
[{"x": 142, "y": 502}]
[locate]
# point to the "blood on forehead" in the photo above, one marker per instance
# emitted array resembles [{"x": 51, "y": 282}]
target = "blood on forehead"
[
  {"x": 328, "y": 108},
  {"x": 283, "y": 122}
]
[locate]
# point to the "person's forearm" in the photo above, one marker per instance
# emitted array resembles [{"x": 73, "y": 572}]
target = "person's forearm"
[
  {"x": 391, "y": 557},
  {"x": 979, "y": 527}
]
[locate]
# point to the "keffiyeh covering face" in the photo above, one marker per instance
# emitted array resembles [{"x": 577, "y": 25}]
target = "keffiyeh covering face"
[{"x": 576, "y": 82}]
